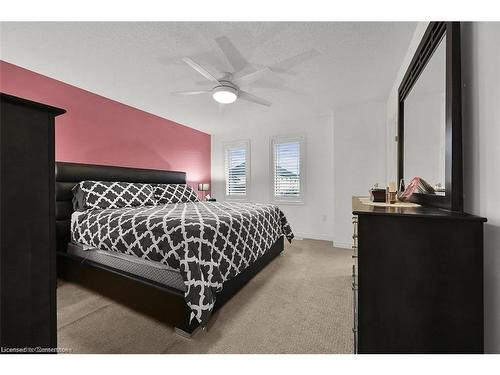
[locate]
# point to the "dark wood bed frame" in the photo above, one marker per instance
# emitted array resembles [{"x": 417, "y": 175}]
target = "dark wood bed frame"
[{"x": 154, "y": 299}]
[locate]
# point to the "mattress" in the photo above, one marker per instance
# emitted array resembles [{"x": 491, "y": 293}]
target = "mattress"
[{"x": 153, "y": 271}]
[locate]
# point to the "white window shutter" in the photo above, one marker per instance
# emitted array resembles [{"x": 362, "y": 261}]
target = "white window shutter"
[
  {"x": 236, "y": 168},
  {"x": 287, "y": 168}
]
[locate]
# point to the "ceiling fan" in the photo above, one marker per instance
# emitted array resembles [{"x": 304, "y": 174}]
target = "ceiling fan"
[{"x": 227, "y": 89}]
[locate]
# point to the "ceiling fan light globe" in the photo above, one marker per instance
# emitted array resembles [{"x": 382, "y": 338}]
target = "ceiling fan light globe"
[{"x": 225, "y": 95}]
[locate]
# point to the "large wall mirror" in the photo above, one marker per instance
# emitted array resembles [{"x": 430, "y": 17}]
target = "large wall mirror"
[{"x": 429, "y": 123}]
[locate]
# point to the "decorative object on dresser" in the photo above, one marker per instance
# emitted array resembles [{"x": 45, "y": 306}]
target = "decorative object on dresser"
[
  {"x": 27, "y": 234},
  {"x": 391, "y": 192},
  {"x": 417, "y": 280},
  {"x": 377, "y": 194},
  {"x": 416, "y": 185}
]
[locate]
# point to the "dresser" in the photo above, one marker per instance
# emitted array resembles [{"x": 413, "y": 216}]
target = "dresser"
[
  {"x": 417, "y": 279},
  {"x": 27, "y": 237}
]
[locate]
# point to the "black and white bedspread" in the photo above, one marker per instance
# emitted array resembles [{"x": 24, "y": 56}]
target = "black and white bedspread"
[{"x": 208, "y": 242}]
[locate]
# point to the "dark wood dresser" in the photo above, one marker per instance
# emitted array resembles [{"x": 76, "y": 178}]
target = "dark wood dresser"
[
  {"x": 417, "y": 280},
  {"x": 27, "y": 237}
]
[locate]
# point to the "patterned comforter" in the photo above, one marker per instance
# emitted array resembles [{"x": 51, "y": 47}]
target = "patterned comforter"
[{"x": 208, "y": 242}]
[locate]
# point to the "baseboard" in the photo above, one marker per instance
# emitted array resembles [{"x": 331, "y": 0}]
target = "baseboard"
[
  {"x": 311, "y": 236},
  {"x": 342, "y": 245},
  {"x": 323, "y": 237}
]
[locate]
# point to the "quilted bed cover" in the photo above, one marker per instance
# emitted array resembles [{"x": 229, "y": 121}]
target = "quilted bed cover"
[{"x": 208, "y": 242}]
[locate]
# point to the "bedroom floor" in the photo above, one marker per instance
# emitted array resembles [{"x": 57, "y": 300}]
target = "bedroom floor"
[{"x": 300, "y": 303}]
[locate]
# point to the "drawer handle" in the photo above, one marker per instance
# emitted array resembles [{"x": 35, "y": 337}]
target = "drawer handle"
[{"x": 354, "y": 256}]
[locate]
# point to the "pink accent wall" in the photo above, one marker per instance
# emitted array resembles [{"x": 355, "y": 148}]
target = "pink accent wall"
[{"x": 97, "y": 130}]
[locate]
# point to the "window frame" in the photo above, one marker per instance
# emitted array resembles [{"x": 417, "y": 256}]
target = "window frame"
[
  {"x": 244, "y": 143},
  {"x": 301, "y": 138}
]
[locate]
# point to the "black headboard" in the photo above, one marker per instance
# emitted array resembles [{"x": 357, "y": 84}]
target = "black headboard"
[{"x": 70, "y": 174}]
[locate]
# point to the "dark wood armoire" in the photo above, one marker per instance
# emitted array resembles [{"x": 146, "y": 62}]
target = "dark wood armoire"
[{"x": 27, "y": 235}]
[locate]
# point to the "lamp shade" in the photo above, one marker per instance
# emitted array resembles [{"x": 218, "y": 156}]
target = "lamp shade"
[{"x": 203, "y": 187}]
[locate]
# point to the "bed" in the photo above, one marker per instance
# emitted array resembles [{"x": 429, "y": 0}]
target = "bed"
[{"x": 181, "y": 261}]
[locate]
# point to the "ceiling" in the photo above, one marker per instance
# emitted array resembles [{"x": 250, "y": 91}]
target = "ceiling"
[{"x": 318, "y": 66}]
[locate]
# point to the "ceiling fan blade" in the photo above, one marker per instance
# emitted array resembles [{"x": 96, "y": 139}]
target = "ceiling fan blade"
[
  {"x": 192, "y": 92},
  {"x": 252, "y": 77},
  {"x": 205, "y": 73},
  {"x": 252, "y": 98},
  {"x": 233, "y": 56}
]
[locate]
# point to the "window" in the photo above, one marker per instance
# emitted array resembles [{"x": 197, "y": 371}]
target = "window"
[
  {"x": 287, "y": 166},
  {"x": 237, "y": 169}
]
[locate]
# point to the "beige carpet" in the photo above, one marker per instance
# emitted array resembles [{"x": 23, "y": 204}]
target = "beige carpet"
[{"x": 300, "y": 303}]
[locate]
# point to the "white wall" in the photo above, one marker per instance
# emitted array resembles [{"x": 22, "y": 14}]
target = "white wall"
[
  {"x": 359, "y": 160},
  {"x": 314, "y": 218},
  {"x": 481, "y": 123},
  {"x": 345, "y": 157}
]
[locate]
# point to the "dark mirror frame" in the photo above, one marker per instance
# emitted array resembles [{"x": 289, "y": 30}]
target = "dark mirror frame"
[{"x": 453, "y": 198}]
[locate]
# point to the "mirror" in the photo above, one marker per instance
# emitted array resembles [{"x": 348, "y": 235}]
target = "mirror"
[
  {"x": 425, "y": 123},
  {"x": 430, "y": 118}
]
